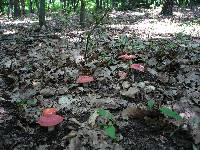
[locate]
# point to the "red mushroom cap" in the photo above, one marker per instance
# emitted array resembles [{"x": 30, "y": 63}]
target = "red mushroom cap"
[
  {"x": 138, "y": 67},
  {"x": 84, "y": 79},
  {"x": 122, "y": 74},
  {"x": 50, "y": 120},
  {"x": 127, "y": 57},
  {"x": 49, "y": 111}
]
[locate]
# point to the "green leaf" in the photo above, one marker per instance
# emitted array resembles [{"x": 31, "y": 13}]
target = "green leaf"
[
  {"x": 170, "y": 113},
  {"x": 104, "y": 113},
  {"x": 150, "y": 104},
  {"x": 31, "y": 102},
  {"x": 110, "y": 131}
]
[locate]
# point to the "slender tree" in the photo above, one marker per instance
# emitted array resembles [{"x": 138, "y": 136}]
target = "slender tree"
[
  {"x": 22, "y": 7},
  {"x": 16, "y": 9},
  {"x": 37, "y": 5},
  {"x": 10, "y": 8},
  {"x": 82, "y": 14},
  {"x": 1, "y": 6},
  {"x": 167, "y": 8},
  {"x": 31, "y": 6},
  {"x": 42, "y": 13},
  {"x": 97, "y": 5}
]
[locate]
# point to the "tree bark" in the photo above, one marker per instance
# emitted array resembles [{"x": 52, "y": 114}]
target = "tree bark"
[
  {"x": 42, "y": 13},
  {"x": 82, "y": 14},
  {"x": 31, "y": 6},
  {"x": 10, "y": 8},
  {"x": 37, "y": 5},
  {"x": 23, "y": 7},
  {"x": 16, "y": 9},
  {"x": 97, "y": 5},
  {"x": 1, "y": 6},
  {"x": 167, "y": 8}
]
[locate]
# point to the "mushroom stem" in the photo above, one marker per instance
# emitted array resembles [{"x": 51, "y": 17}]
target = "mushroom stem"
[{"x": 51, "y": 128}]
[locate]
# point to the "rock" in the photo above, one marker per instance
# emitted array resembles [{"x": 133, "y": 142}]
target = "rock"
[
  {"x": 62, "y": 90},
  {"x": 152, "y": 71},
  {"x": 152, "y": 62},
  {"x": 48, "y": 91},
  {"x": 116, "y": 86},
  {"x": 149, "y": 88},
  {"x": 141, "y": 85},
  {"x": 125, "y": 85},
  {"x": 108, "y": 103},
  {"x": 8, "y": 64},
  {"x": 2, "y": 83},
  {"x": 163, "y": 77},
  {"x": 132, "y": 91},
  {"x": 27, "y": 93}
]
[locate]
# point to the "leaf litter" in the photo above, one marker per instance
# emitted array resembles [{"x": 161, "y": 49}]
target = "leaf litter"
[{"x": 40, "y": 71}]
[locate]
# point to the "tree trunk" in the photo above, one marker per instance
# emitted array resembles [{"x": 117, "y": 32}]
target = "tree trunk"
[
  {"x": 37, "y": 5},
  {"x": 42, "y": 13},
  {"x": 23, "y": 7},
  {"x": 100, "y": 4},
  {"x": 1, "y": 6},
  {"x": 10, "y": 8},
  {"x": 97, "y": 5},
  {"x": 167, "y": 8},
  {"x": 31, "y": 6},
  {"x": 113, "y": 3},
  {"x": 16, "y": 9},
  {"x": 82, "y": 14}
]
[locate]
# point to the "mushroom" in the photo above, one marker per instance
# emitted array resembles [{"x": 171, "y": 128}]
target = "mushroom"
[
  {"x": 84, "y": 79},
  {"x": 122, "y": 74},
  {"x": 50, "y": 121},
  {"x": 127, "y": 57},
  {"x": 137, "y": 67},
  {"x": 49, "y": 111}
]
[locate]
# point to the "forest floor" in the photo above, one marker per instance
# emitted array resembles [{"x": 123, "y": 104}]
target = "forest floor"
[{"x": 39, "y": 68}]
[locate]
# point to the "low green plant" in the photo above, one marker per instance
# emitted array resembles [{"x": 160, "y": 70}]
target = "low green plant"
[
  {"x": 26, "y": 102},
  {"x": 164, "y": 110},
  {"x": 108, "y": 127},
  {"x": 170, "y": 113},
  {"x": 150, "y": 104}
]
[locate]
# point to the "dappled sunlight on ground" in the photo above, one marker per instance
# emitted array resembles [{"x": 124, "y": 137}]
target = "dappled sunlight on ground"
[
  {"x": 115, "y": 14},
  {"x": 164, "y": 27},
  {"x": 8, "y": 32},
  {"x": 16, "y": 22}
]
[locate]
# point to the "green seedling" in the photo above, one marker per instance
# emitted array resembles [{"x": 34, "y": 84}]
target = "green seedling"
[
  {"x": 164, "y": 110},
  {"x": 109, "y": 127},
  {"x": 110, "y": 130},
  {"x": 150, "y": 104},
  {"x": 105, "y": 113},
  {"x": 170, "y": 113}
]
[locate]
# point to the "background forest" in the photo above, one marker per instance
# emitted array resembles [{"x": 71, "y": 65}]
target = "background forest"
[{"x": 99, "y": 74}]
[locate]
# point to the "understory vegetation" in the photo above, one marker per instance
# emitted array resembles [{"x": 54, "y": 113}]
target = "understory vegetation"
[{"x": 103, "y": 74}]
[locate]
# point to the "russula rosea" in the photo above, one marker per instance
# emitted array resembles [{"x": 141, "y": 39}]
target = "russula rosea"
[
  {"x": 122, "y": 74},
  {"x": 137, "y": 67},
  {"x": 50, "y": 121},
  {"x": 49, "y": 118},
  {"x": 49, "y": 111},
  {"x": 126, "y": 57},
  {"x": 84, "y": 79}
]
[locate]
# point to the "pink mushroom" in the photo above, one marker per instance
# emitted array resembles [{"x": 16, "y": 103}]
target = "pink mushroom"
[
  {"x": 84, "y": 79},
  {"x": 138, "y": 67},
  {"x": 122, "y": 74},
  {"x": 50, "y": 121},
  {"x": 127, "y": 57}
]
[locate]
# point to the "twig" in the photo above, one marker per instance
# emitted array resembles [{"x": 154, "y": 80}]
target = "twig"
[{"x": 90, "y": 33}]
